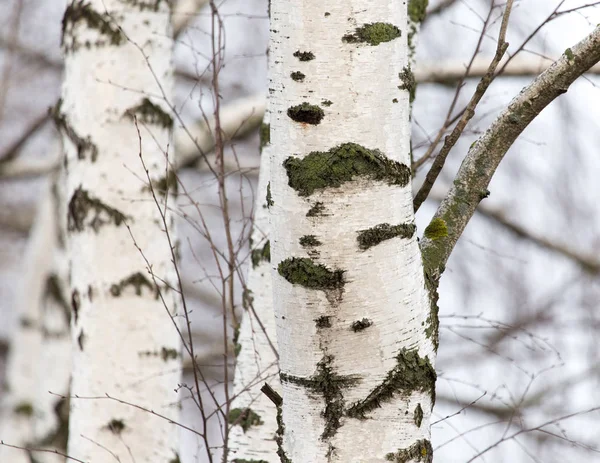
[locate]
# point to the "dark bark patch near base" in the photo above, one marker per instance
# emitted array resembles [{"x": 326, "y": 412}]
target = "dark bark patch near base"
[
  {"x": 263, "y": 254},
  {"x": 330, "y": 169},
  {"x": 420, "y": 451},
  {"x": 418, "y": 415},
  {"x": 309, "y": 241},
  {"x": 304, "y": 55},
  {"x": 360, "y": 325},
  {"x": 329, "y": 385},
  {"x": 244, "y": 417},
  {"x": 316, "y": 210},
  {"x": 83, "y": 145},
  {"x": 382, "y": 232},
  {"x": 150, "y": 113},
  {"x": 82, "y": 204},
  {"x": 412, "y": 373},
  {"x": 323, "y": 322},
  {"x": 298, "y": 76},
  {"x": 303, "y": 271},
  {"x": 373, "y": 34},
  {"x": 306, "y": 113},
  {"x": 82, "y": 12},
  {"x": 137, "y": 281}
]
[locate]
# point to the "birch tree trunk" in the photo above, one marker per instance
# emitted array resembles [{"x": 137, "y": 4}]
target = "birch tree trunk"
[
  {"x": 355, "y": 329},
  {"x": 252, "y": 414},
  {"x": 116, "y": 128}
]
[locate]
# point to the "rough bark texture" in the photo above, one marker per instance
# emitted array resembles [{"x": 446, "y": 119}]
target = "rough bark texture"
[
  {"x": 118, "y": 65},
  {"x": 350, "y": 300},
  {"x": 256, "y": 363}
]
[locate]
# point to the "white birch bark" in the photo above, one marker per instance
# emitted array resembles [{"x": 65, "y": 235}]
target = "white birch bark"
[
  {"x": 118, "y": 71},
  {"x": 252, "y": 415},
  {"x": 351, "y": 307},
  {"x": 20, "y": 399},
  {"x": 51, "y": 419}
]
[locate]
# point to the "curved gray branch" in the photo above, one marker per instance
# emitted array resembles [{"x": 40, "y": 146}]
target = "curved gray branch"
[{"x": 484, "y": 156}]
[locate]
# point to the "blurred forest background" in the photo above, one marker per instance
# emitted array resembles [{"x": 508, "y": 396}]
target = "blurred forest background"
[{"x": 519, "y": 358}]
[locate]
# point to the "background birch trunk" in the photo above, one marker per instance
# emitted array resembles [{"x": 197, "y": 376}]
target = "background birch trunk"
[
  {"x": 355, "y": 336},
  {"x": 118, "y": 75},
  {"x": 252, "y": 414}
]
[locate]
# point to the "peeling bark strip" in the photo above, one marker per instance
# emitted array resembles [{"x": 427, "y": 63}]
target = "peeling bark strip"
[
  {"x": 83, "y": 144},
  {"x": 382, "y": 232},
  {"x": 303, "y": 271},
  {"x": 150, "y": 113},
  {"x": 328, "y": 384},
  {"x": 79, "y": 207},
  {"x": 137, "y": 280},
  {"x": 412, "y": 373},
  {"x": 330, "y": 169},
  {"x": 307, "y": 113},
  {"x": 373, "y": 34},
  {"x": 82, "y": 12},
  {"x": 420, "y": 451},
  {"x": 244, "y": 417},
  {"x": 261, "y": 254}
]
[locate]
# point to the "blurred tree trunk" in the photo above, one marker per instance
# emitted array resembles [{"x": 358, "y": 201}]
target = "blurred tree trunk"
[
  {"x": 116, "y": 128},
  {"x": 355, "y": 326}
]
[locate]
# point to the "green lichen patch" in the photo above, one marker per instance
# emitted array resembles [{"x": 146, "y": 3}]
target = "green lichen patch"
[
  {"x": 436, "y": 229},
  {"x": 360, "y": 325},
  {"x": 84, "y": 145},
  {"x": 270, "y": 201},
  {"x": 323, "y": 322},
  {"x": 309, "y": 241},
  {"x": 23, "y": 409},
  {"x": 382, "y": 232},
  {"x": 116, "y": 426},
  {"x": 327, "y": 103},
  {"x": 82, "y": 204},
  {"x": 330, "y": 169},
  {"x": 244, "y": 417},
  {"x": 327, "y": 384},
  {"x": 264, "y": 135},
  {"x": 304, "y": 55},
  {"x": 81, "y": 11},
  {"x": 297, "y": 76},
  {"x": 418, "y": 415},
  {"x": 373, "y": 34},
  {"x": 303, "y": 271},
  {"x": 570, "y": 56},
  {"x": 420, "y": 451},
  {"x": 306, "y": 113},
  {"x": 261, "y": 254},
  {"x": 137, "y": 281},
  {"x": 150, "y": 113},
  {"x": 417, "y": 10},
  {"x": 316, "y": 210},
  {"x": 411, "y": 373},
  {"x": 409, "y": 83}
]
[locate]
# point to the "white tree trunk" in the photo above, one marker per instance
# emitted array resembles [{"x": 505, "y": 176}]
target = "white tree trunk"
[
  {"x": 118, "y": 74},
  {"x": 20, "y": 399},
  {"x": 252, "y": 415},
  {"x": 355, "y": 339}
]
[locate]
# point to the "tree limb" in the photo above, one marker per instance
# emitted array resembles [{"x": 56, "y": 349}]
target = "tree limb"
[{"x": 484, "y": 156}]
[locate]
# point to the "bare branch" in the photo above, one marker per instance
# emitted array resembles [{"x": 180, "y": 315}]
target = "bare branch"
[
  {"x": 467, "y": 115},
  {"x": 484, "y": 156}
]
